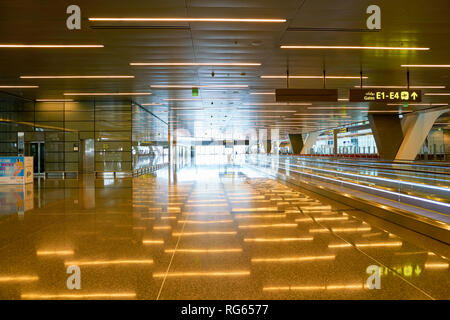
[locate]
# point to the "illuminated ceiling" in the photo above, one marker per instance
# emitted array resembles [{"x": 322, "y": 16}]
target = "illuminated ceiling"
[{"x": 239, "y": 54}]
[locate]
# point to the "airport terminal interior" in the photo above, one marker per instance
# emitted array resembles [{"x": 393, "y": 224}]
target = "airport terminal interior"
[{"x": 217, "y": 150}]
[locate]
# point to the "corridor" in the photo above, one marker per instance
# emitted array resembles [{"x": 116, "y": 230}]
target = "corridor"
[{"x": 207, "y": 232}]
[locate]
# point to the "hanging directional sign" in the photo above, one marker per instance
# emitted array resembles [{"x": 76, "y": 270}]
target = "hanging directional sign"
[
  {"x": 385, "y": 95},
  {"x": 306, "y": 95}
]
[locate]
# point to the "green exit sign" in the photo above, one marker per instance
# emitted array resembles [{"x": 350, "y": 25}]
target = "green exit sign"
[{"x": 195, "y": 92}]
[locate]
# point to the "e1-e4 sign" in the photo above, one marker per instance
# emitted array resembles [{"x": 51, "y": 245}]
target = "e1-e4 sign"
[{"x": 385, "y": 95}]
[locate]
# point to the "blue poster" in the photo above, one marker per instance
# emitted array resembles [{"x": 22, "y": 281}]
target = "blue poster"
[
  {"x": 11, "y": 166},
  {"x": 12, "y": 170}
]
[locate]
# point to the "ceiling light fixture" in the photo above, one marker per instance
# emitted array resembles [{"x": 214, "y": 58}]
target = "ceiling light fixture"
[
  {"x": 193, "y": 64},
  {"x": 339, "y": 108},
  {"x": 187, "y": 108},
  {"x": 388, "y": 111},
  {"x": 438, "y": 94},
  {"x": 321, "y": 118},
  {"x": 257, "y": 110},
  {"x": 187, "y": 20},
  {"x": 312, "y": 77},
  {"x": 18, "y": 87},
  {"x": 200, "y": 86},
  {"x": 320, "y": 114},
  {"x": 277, "y": 104},
  {"x": 76, "y": 77},
  {"x": 51, "y": 46},
  {"x": 54, "y": 100},
  {"x": 353, "y": 47},
  {"x": 107, "y": 93},
  {"x": 425, "y": 65},
  {"x": 250, "y": 117},
  {"x": 418, "y": 104},
  {"x": 200, "y": 99},
  {"x": 401, "y": 87}
]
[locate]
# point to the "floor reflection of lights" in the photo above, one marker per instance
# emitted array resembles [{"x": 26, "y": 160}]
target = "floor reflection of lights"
[
  {"x": 312, "y": 288},
  {"x": 222, "y": 238},
  {"x": 294, "y": 259},
  {"x": 202, "y": 274}
]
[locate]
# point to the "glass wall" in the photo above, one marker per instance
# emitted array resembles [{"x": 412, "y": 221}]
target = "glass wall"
[
  {"x": 436, "y": 145},
  {"x": 15, "y": 116},
  {"x": 123, "y": 135},
  {"x": 353, "y": 142},
  {"x": 113, "y": 130},
  {"x": 150, "y": 139}
]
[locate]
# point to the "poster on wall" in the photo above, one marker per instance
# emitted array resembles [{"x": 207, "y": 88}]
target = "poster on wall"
[
  {"x": 16, "y": 170},
  {"x": 28, "y": 169}
]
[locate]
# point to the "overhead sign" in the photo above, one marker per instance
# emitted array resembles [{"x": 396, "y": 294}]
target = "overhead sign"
[
  {"x": 341, "y": 130},
  {"x": 306, "y": 95},
  {"x": 385, "y": 95}
]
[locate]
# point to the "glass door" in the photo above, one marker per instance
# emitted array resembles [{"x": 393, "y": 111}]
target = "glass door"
[{"x": 37, "y": 151}]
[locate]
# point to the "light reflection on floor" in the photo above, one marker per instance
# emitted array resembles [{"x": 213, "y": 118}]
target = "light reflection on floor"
[{"x": 204, "y": 232}]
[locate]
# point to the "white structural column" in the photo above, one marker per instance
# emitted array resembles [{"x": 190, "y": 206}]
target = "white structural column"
[
  {"x": 311, "y": 138},
  {"x": 274, "y": 140},
  {"x": 416, "y": 127}
]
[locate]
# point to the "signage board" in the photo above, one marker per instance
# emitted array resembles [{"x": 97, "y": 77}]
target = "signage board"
[
  {"x": 385, "y": 95},
  {"x": 340, "y": 130},
  {"x": 306, "y": 95},
  {"x": 16, "y": 170}
]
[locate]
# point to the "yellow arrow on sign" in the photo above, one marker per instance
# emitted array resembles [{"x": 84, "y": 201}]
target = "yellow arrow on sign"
[
  {"x": 414, "y": 95},
  {"x": 418, "y": 270}
]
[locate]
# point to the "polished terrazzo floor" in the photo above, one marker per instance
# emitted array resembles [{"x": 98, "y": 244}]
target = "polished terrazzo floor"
[{"x": 204, "y": 232}]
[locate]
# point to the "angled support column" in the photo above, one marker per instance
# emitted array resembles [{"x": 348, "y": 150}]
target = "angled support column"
[
  {"x": 311, "y": 138},
  {"x": 416, "y": 128},
  {"x": 296, "y": 143},
  {"x": 388, "y": 134},
  {"x": 335, "y": 142}
]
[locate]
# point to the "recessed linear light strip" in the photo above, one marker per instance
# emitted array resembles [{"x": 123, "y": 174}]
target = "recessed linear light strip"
[
  {"x": 277, "y": 104},
  {"x": 188, "y": 20},
  {"x": 107, "y": 93},
  {"x": 388, "y": 111},
  {"x": 321, "y": 114},
  {"x": 418, "y": 104},
  {"x": 201, "y": 86},
  {"x": 316, "y": 118},
  {"x": 186, "y": 108},
  {"x": 54, "y": 100},
  {"x": 312, "y": 77},
  {"x": 275, "y": 111},
  {"x": 200, "y": 99},
  {"x": 338, "y": 108},
  {"x": 51, "y": 46},
  {"x": 76, "y": 77},
  {"x": 19, "y": 87},
  {"x": 193, "y": 64},
  {"x": 401, "y": 87},
  {"x": 354, "y": 47},
  {"x": 438, "y": 94},
  {"x": 425, "y": 65}
]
